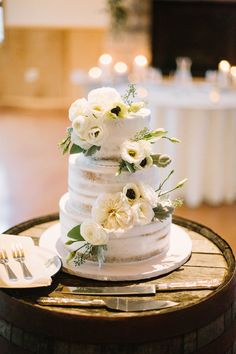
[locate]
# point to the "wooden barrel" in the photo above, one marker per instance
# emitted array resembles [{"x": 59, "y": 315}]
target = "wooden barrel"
[{"x": 204, "y": 322}]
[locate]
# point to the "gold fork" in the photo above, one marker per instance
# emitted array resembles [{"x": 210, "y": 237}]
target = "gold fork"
[
  {"x": 4, "y": 260},
  {"x": 19, "y": 256}
]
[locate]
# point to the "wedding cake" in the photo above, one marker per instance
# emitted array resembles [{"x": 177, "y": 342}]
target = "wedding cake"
[{"x": 115, "y": 211}]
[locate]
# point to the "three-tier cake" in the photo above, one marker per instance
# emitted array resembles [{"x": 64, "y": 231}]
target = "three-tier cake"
[{"x": 116, "y": 211}]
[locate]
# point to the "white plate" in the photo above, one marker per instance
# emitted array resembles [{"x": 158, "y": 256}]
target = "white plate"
[
  {"x": 50, "y": 259},
  {"x": 179, "y": 252}
]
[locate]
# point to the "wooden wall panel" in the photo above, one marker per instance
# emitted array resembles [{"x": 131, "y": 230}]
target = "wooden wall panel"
[{"x": 54, "y": 53}]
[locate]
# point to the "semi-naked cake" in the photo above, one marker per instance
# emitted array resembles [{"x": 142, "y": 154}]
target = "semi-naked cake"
[{"x": 116, "y": 210}]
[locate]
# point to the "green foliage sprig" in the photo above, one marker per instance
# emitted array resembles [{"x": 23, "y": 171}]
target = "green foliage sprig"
[
  {"x": 129, "y": 94},
  {"x": 86, "y": 250}
]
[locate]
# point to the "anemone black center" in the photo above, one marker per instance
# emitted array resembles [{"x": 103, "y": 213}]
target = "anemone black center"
[
  {"x": 130, "y": 194},
  {"x": 116, "y": 110},
  {"x": 143, "y": 162}
]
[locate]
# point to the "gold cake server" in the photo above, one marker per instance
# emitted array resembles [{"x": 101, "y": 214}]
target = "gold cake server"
[{"x": 115, "y": 303}]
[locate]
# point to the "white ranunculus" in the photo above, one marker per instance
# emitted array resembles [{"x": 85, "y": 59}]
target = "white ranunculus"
[
  {"x": 103, "y": 97},
  {"x": 113, "y": 212},
  {"x": 148, "y": 194},
  {"x": 93, "y": 233},
  {"x": 75, "y": 139},
  {"x": 132, "y": 151},
  {"x": 79, "y": 107},
  {"x": 80, "y": 124},
  {"x": 132, "y": 193},
  {"x": 143, "y": 213}
]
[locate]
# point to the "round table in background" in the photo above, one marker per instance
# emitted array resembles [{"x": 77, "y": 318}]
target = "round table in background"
[{"x": 204, "y": 322}]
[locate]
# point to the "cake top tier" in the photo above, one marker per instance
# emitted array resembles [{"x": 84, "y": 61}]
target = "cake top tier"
[{"x": 105, "y": 120}]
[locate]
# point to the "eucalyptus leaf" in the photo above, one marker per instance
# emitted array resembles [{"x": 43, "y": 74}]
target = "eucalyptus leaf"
[
  {"x": 92, "y": 150},
  {"x": 70, "y": 242},
  {"x": 70, "y": 256},
  {"x": 76, "y": 149},
  {"x": 75, "y": 233},
  {"x": 163, "y": 212},
  {"x": 130, "y": 167}
]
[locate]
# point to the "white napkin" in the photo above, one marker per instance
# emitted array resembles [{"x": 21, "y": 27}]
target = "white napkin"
[{"x": 33, "y": 262}]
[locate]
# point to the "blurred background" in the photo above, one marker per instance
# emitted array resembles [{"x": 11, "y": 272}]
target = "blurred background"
[{"x": 180, "y": 54}]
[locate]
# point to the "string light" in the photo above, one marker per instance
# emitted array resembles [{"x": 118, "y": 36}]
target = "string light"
[{"x": 95, "y": 72}]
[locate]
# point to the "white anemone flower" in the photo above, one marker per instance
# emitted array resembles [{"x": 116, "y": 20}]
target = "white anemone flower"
[
  {"x": 112, "y": 211},
  {"x": 94, "y": 233},
  {"x": 132, "y": 152},
  {"x": 143, "y": 212},
  {"x": 132, "y": 192}
]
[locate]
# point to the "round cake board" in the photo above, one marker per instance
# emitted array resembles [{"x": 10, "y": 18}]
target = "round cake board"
[{"x": 178, "y": 253}]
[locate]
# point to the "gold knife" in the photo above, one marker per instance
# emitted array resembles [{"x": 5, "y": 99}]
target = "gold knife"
[
  {"x": 140, "y": 289},
  {"x": 115, "y": 303}
]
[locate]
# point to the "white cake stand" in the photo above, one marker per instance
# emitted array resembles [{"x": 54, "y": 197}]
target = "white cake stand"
[{"x": 179, "y": 252}]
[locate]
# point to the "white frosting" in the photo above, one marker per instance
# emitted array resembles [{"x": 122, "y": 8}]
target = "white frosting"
[
  {"x": 88, "y": 178},
  {"x": 138, "y": 243}
]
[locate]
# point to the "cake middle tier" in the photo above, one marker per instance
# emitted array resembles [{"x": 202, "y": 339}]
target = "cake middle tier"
[{"x": 88, "y": 178}]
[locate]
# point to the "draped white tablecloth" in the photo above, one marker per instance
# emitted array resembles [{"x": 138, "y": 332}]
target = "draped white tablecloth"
[{"x": 205, "y": 121}]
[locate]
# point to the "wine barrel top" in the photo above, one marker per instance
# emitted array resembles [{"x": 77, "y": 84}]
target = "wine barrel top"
[{"x": 212, "y": 258}]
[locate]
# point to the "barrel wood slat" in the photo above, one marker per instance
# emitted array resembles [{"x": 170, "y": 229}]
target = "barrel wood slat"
[{"x": 204, "y": 322}]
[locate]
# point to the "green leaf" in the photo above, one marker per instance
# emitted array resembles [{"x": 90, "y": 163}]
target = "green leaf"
[
  {"x": 121, "y": 167},
  {"x": 163, "y": 212},
  {"x": 130, "y": 92},
  {"x": 70, "y": 256},
  {"x": 70, "y": 242},
  {"x": 130, "y": 167},
  {"x": 76, "y": 149},
  {"x": 75, "y": 233},
  {"x": 92, "y": 150}
]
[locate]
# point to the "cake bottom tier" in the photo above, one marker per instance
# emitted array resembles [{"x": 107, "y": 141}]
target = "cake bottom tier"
[{"x": 136, "y": 244}]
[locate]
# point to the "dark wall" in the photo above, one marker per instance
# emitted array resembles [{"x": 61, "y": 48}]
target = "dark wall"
[{"x": 205, "y": 31}]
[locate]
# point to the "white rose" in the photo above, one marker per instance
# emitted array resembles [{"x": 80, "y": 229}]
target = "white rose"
[
  {"x": 112, "y": 211},
  {"x": 132, "y": 151},
  {"x": 75, "y": 139},
  {"x": 143, "y": 213},
  {"x": 132, "y": 193},
  {"x": 148, "y": 194},
  {"x": 94, "y": 133},
  {"x": 93, "y": 233},
  {"x": 103, "y": 97},
  {"x": 79, "y": 107}
]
